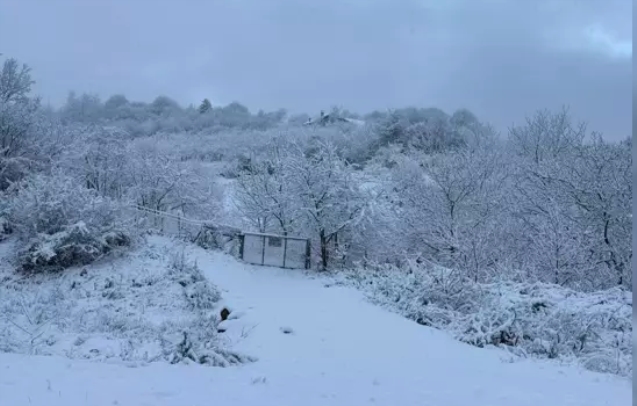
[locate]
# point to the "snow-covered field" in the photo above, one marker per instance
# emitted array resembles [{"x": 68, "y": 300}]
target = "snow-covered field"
[{"x": 313, "y": 343}]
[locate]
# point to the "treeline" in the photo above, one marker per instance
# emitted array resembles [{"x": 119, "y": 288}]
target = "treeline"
[{"x": 549, "y": 201}]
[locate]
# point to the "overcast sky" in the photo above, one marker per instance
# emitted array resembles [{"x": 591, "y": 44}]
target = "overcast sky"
[{"x": 501, "y": 59}]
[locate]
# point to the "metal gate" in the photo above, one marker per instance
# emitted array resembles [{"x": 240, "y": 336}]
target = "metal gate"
[{"x": 275, "y": 250}]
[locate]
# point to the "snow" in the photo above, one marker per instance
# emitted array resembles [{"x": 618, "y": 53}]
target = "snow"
[
  {"x": 355, "y": 121},
  {"x": 133, "y": 309},
  {"x": 315, "y": 345}
]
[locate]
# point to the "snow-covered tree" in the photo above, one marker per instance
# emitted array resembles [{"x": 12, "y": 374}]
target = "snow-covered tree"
[
  {"x": 100, "y": 159},
  {"x": 598, "y": 182},
  {"x": 330, "y": 200},
  {"x": 307, "y": 191},
  {"x": 18, "y": 119},
  {"x": 161, "y": 182},
  {"x": 15, "y": 81},
  {"x": 572, "y": 199},
  {"x": 264, "y": 190},
  {"x": 117, "y": 107},
  {"x": 205, "y": 106},
  {"x": 547, "y": 135},
  {"x": 87, "y": 108},
  {"x": 452, "y": 202},
  {"x": 163, "y": 106}
]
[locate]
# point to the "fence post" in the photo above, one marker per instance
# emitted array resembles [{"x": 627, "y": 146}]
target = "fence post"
[
  {"x": 308, "y": 254},
  {"x": 263, "y": 252},
  {"x": 242, "y": 239},
  {"x": 285, "y": 250}
]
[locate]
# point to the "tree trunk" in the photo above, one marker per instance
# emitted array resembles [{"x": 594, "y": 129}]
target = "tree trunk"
[{"x": 324, "y": 250}]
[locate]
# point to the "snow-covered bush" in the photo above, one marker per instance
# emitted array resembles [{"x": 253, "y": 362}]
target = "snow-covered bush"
[
  {"x": 233, "y": 168},
  {"x": 147, "y": 172},
  {"x": 75, "y": 244},
  {"x": 98, "y": 157},
  {"x": 151, "y": 305},
  {"x": 199, "y": 294},
  {"x": 46, "y": 204},
  {"x": 5, "y": 228},
  {"x": 529, "y": 319},
  {"x": 225, "y": 238},
  {"x": 158, "y": 180},
  {"x": 5, "y": 225},
  {"x": 61, "y": 223},
  {"x": 554, "y": 322}
]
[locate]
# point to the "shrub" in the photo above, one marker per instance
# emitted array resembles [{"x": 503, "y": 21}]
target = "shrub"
[
  {"x": 225, "y": 238},
  {"x": 528, "y": 319},
  {"x": 151, "y": 305},
  {"x": 199, "y": 294},
  {"x": 76, "y": 244},
  {"x": 61, "y": 223},
  {"x": 5, "y": 226}
]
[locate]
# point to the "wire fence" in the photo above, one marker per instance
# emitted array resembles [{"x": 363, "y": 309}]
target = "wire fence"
[
  {"x": 290, "y": 252},
  {"x": 205, "y": 233},
  {"x": 173, "y": 224}
]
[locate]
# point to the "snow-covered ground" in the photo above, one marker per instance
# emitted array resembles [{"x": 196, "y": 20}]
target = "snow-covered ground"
[
  {"x": 315, "y": 345},
  {"x": 133, "y": 309}
]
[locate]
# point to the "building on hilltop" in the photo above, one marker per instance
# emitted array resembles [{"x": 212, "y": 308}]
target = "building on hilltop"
[{"x": 331, "y": 118}]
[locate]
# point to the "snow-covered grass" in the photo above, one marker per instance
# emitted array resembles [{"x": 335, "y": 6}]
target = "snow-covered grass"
[
  {"x": 316, "y": 345},
  {"x": 148, "y": 305},
  {"x": 593, "y": 330}
]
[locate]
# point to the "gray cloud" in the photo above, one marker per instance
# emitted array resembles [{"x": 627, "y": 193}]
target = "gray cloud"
[{"x": 500, "y": 58}]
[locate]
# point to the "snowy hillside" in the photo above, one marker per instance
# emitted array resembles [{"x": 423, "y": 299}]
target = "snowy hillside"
[
  {"x": 313, "y": 343},
  {"x": 447, "y": 264}
]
